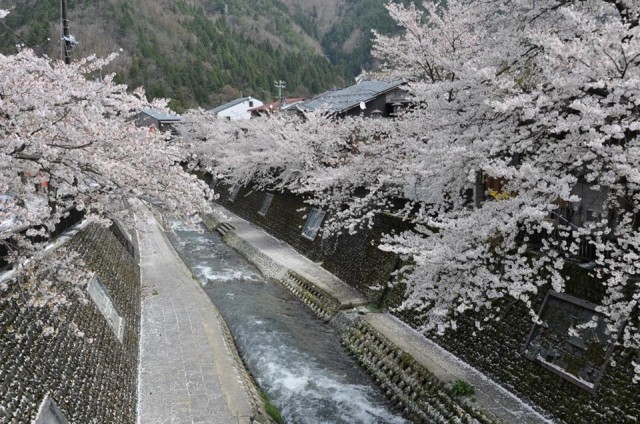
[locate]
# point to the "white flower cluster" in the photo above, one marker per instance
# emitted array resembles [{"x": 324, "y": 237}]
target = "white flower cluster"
[{"x": 534, "y": 106}]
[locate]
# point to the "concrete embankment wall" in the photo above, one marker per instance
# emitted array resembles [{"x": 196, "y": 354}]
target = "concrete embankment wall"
[
  {"x": 83, "y": 367},
  {"x": 410, "y": 386},
  {"x": 354, "y": 259},
  {"x": 496, "y": 350}
]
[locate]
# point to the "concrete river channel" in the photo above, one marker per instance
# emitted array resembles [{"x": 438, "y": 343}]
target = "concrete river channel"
[{"x": 296, "y": 359}]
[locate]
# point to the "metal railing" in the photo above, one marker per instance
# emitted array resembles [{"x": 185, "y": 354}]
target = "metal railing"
[{"x": 586, "y": 248}]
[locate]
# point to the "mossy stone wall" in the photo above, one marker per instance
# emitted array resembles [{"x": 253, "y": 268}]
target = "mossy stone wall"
[{"x": 93, "y": 377}]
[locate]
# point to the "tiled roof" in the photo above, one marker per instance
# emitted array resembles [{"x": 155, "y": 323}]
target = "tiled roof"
[
  {"x": 160, "y": 116},
  {"x": 230, "y": 104},
  {"x": 350, "y": 97}
]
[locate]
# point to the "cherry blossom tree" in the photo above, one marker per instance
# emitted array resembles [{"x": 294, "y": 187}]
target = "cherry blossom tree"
[
  {"x": 278, "y": 152},
  {"x": 541, "y": 98},
  {"x": 544, "y": 98},
  {"x": 533, "y": 106},
  {"x": 68, "y": 140}
]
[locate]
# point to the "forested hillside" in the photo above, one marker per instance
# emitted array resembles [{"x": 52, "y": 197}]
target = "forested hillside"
[
  {"x": 206, "y": 52},
  {"x": 343, "y": 28}
]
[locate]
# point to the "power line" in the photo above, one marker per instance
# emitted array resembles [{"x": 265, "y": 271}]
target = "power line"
[{"x": 15, "y": 34}]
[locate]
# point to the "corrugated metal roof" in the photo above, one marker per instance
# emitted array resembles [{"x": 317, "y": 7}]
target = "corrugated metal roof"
[
  {"x": 350, "y": 97},
  {"x": 161, "y": 116},
  {"x": 230, "y": 104}
]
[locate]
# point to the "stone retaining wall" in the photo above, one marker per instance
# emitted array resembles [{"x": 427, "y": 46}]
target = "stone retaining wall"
[
  {"x": 496, "y": 350},
  {"x": 92, "y": 377},
  {"x": 410, "y": 387}
]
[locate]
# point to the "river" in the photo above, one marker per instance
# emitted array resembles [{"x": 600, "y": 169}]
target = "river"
[{"x": 294, "y": 357}]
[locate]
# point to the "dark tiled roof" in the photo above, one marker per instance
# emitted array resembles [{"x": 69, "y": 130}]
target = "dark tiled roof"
[
  {"x": 350, "y": 97},
  {"x": 161, "y": 116},
  {"x": 230, "y": 104}
]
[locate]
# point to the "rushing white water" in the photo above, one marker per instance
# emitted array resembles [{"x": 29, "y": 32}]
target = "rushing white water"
[{"x": 295, "y": 358}]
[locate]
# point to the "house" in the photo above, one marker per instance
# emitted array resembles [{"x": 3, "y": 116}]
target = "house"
[
  {"x": 237, "y": 109},
  {"x": 155, "y": 118},
  {"x": 275, "y": 107},
  {"x": 369, "y": 98}
]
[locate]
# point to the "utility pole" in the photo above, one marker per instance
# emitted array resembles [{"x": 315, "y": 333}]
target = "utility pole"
[
  {"x": 280, "y": 85},
  {"x": 68, "y": 40}
]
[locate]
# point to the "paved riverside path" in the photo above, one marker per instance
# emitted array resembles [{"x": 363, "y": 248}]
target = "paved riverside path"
[
  {"x": 490, "y": 397},
  {"x": 188, "y": 373},
  {"x": 284, "y": 257}
]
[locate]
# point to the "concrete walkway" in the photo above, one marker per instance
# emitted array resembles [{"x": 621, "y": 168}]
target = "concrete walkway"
[
  {"x": 496, "y": 401},
  {"x": 288, "y": 258},
  {"x": 188, "y": 371},
  {"x": 490, "y": 397}
]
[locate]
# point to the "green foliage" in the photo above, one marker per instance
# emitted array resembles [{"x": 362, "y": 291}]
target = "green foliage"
[
  {"x": 38, "y": 14},
  {"x": 271, "y": 409},
  {"x": 462, "y": 388},
  {"x": 363, "y": 15},
  {"x": 218, "y": 57},
  {"x": 124, "y": 15},
  {"x": 214, "y": 49}
]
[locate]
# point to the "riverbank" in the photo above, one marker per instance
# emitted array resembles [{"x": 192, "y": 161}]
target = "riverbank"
[
  {"x": 189, "y": 369},
  {"x": 416, "y": 374},
  {"x": 297, "y": 360}
]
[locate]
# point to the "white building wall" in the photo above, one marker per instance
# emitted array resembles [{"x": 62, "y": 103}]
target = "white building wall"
[{"x": 241, "y": 110}]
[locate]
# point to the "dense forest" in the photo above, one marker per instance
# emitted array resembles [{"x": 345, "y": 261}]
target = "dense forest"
[
  {"x": 206, "y": 52},
  {"x": 347, "y": 39}
]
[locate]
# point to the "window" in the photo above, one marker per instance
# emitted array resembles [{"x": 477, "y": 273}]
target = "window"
[
  {"x": 314, "y": 221},
  {"x": 103, "y": 302},
  {"x": 265, "y": 204},
  {"x": 49, "y": 413},
  {"x": 250, "y": 103},
  {"x": 233, "y": 192},
  {"x": 573, "y": 340}
]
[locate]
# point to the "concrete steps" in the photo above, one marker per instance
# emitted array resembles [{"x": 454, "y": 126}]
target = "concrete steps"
[
  {"x": 320, "y": 302},
  {"x": 410, "y": 386},
  {"x": 224, "y": 228}
]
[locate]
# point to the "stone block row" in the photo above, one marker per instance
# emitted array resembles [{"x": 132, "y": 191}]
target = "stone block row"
[
  {"x": 411, "y": 387},
  {"x": 319, "y": 301}
]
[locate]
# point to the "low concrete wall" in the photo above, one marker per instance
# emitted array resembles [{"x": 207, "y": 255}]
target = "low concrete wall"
[
  {"x": 355, "y": 259},
  {"x": 409, "y": 385}
]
